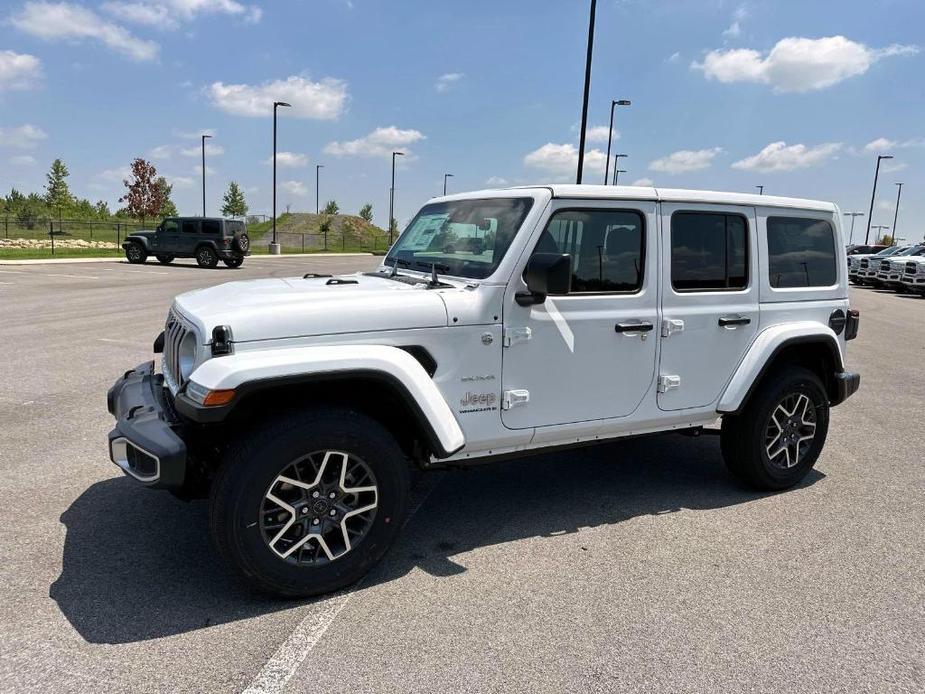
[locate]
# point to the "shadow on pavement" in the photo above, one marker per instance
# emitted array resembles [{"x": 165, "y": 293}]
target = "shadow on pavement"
[{"x": 139, "y": 564}]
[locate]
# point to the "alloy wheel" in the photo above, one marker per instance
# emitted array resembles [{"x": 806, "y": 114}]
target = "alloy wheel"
[
  {"x": 791, "y": 430},
  {"x": 319, "y": 508}
]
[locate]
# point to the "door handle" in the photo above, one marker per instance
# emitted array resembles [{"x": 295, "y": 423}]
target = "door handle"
[
  {"x": 732, "y": 321},
  {"x": 633, "y": 327}
]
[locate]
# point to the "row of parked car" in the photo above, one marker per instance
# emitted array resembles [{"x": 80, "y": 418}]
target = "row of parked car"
[{"x": 901, "y": 268}]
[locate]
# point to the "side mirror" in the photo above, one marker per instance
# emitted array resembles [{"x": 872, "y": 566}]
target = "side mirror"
[{"x": 546, "y": 273}]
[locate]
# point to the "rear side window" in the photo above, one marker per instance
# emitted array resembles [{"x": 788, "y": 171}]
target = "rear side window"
[
  {"x": 801, "y": 252},
  {"x": 709, "y": 251},
  {"x": 211, "y": 226},
  {"x": 189, "y": 226},
  {"x": 607, "y": 248},
  {"x": 234, "y": 227}
]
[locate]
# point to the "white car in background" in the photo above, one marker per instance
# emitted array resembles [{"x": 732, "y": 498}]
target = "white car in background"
[
  {"x": 863, "y": 270},
  {"x": 890, "y": 273},
  {"x": 913, "y": 279}
]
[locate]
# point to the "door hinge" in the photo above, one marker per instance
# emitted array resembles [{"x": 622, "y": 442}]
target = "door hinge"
[
  {"x": 666, "y": 383},
  {"x": 514, "y": 335},
  {"x": 513, "y": 398},
  {"x": 672, "y": 325}
]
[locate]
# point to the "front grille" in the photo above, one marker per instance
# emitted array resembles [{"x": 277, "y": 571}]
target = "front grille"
[
  {"x": 912, "y": 267},
  {"x": 885, "y": 266},
  {"x": 174, "y": 332},
  {"x": 865, "y": 263}
]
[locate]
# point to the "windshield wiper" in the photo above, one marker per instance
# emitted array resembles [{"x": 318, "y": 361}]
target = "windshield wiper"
[{"x": 431, "y": 266}]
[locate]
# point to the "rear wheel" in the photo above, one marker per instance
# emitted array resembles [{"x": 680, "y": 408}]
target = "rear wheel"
[
  {"x": 233, "y": 262},
  {"x": 165, "y": 259},
  {"x": 206, "y": 257},
  {"x": 780, "y": 433},
  {"x": 135, "y": 253},
  {"x": 311, "y": 503}
]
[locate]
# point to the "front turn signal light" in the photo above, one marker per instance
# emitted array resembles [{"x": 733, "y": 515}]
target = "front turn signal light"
[{"x": 218, "y": 397}]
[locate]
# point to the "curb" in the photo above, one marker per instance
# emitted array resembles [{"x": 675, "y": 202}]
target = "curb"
[{"x": 67, "y": 261}]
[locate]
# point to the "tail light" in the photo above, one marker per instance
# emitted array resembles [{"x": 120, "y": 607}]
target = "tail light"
[{"x": 854, "y": 320}]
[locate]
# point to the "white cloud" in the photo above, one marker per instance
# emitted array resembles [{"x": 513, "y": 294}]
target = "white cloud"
[
  {"x": 380, "y": 142},
  {"x": 161, "y": 152},
  {"x": 892, "y": 166},
  {"x": 598, "y": 133},
  {"x": 445, "y": 82},
  {"x": 22, "y": 137},
  {"x": 883, "y": 144},
  {"x": 19, "y": 71},
  {"x": 180, "y": 181},
  {"x": 211, "y": 150},
  {"x": 779, "y": 156},
  {"x": 297, "y": 188},
  {"x": 673, "y": 58},
  {"x": 194, "y": 134},
  {"x": 496, "y": 181},
  {"x": 561, "y": 161},
  {"x": 62, "y": 20},
  {"x": 168, "y": 14},
  {"x": 644, "y": 182},
  {"x": 685, "y": 160},
  {"x": 22, "y": 160},
  {"x": 323, "y": 100},
  {"x": 116, "y": 175},
  {"x": 797, "y": 64},
  {"x": 734, "y": 30},
  {"x": 291, "y": 160},
  {"x": 198, "y": 169}
]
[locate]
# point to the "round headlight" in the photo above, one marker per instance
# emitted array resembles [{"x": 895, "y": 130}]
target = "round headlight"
[{"x": 187, "y": 355}]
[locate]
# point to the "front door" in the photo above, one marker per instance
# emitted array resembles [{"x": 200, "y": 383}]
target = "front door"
[
  {"x": 165, "y": 239},
  {"x": 590, "y": 354},
  {"x": 709, "y": 300}
]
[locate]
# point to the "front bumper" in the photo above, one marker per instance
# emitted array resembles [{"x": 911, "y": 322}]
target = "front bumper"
[{"x": 146, "y": 442}]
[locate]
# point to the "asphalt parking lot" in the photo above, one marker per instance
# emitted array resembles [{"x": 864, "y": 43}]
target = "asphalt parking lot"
[{"x": 636, "y": 566}]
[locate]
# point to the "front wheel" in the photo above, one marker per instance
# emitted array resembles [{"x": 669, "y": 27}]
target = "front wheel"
[
  {"x": 233, "y": 262},
  {"x": 135, "y": 254},
  {"x": 778, "y": 436},
  {"x": 206, "y": 257},
  {"x": 311, "y": 503}
]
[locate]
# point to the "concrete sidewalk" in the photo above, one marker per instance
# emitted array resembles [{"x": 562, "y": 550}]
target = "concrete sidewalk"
[{"x": 115, "y": 259}]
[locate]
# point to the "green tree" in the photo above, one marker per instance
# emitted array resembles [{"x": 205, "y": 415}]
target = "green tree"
[
  {"x": 366, "y": 212},
  {"x": 330, "y": 207},
  {"x": 234, "y": 204},
  {"x": 31, "y": 211},
  {"x": 144, "y": 196},
  {"x": 57, "y": 195},
  {"x": 168, "y": 208},
  {"x": 102, "y": 209}
]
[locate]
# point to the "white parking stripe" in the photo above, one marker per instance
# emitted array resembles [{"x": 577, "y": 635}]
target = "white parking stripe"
[{"x": 281, "y": 666}]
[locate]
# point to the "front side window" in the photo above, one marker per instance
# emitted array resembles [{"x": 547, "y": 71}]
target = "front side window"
[
  {"x": 189, "y": 226},
  {"x": 801, "y": 252},
  {"x": 709, "y": 251},
  {"x": 607, "y": 248},
  {"x": 465, "y": 238},
  {"x": 169, "y": 226}
]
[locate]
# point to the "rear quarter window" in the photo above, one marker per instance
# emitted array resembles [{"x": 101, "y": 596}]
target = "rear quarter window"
[
  {"x": 211, "y": 226},
  {"x": 801, "y": 252}
]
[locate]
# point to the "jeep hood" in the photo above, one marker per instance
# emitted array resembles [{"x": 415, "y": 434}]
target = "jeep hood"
[{"x": 267, "y": 309}]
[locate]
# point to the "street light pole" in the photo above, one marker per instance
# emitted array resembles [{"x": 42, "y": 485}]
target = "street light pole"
[
  {"x": 318, "y": 167},
  {"x": 274, "y": 247},
  {"x": 584, "y": 103},
  {"x": 873, "y": 194},
  {"x": 852, "y": 215},
  {"x": 204, "y": 138},
  {"x": 446, "y": 176},
  {"x": 616, "y": 175},
  {"x": 392, "y": 195},
  {"x": 899, "y": 191},
  {"x": 760, "y": 190},
  {"x": 616, "y": 165},
  {"x": 613, "y": 102}
]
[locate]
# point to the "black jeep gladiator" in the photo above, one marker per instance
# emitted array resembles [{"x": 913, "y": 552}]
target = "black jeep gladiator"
[{"x": 207, "y": 239}]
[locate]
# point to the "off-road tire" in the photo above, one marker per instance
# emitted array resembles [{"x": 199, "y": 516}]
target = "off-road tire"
[
  {"x": 135, "y": 253},
  {"x": 251, "y": 468},
  {"x": 242, "y": 243},
  {"x": 744, "y": 437},
  {"x": 165, "y": 259},
  {"x": 233, "y": 262},
  {"x": 206, "y": 257}
]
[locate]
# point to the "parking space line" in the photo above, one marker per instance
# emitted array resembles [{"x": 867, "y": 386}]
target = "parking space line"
[{"x": 281, "y": 666}]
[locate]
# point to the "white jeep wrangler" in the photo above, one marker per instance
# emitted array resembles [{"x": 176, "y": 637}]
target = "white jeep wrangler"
[{"x": 501, "y": 323}]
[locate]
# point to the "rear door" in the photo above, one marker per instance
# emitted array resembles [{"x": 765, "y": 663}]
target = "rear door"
[
  {"x": 709, "y": 299},
  {"x": 189, "y": 236}
]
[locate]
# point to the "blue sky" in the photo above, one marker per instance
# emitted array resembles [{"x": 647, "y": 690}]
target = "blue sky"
[{"x": 796, "y": 96}]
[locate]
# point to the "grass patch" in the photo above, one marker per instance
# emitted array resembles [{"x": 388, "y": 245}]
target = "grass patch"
[{"x": 45, "y": 253}]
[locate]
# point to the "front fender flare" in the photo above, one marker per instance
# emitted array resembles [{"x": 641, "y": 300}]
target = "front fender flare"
[
  {"x": 767, "y": 345},
  {"x": 252, "y": 370}
]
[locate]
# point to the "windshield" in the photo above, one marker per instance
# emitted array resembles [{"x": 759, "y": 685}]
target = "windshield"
[
  {"x": 466, "y": 238},
  {"x": 893, "y": 250}
]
